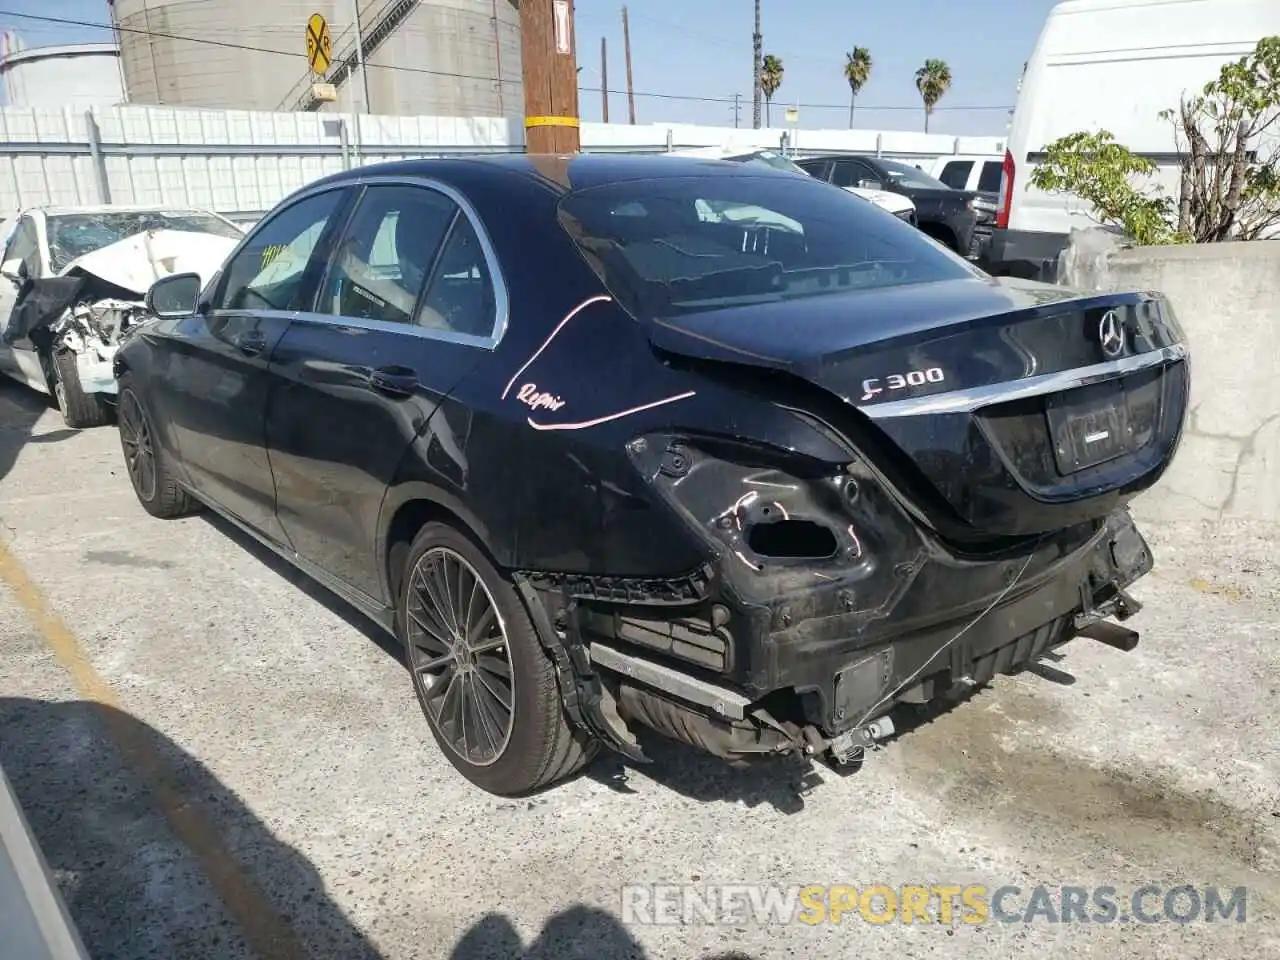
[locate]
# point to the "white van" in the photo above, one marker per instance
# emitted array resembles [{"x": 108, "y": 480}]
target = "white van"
[{"x": 1109, "y": 65}]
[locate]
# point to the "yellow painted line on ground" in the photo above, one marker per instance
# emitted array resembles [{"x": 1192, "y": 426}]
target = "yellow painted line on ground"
[{"x": 266, "y": 933}]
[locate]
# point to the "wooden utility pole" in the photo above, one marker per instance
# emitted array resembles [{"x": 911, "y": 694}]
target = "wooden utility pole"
[
  {"x": 604, "y": 82},
  {"x": 550, "y": 68},
  {"x": 626, "y": 43}
]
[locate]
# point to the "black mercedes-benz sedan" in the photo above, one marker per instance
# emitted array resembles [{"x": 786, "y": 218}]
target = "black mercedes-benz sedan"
[{"x": 619, "y": 442}]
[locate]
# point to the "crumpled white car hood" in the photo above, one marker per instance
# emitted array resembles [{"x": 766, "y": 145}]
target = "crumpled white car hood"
[
  {"x": 885, "y": 199},
  {"x": 136, "y": 262}
]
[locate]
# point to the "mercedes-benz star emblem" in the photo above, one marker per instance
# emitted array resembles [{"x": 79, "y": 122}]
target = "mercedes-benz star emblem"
[{"x": 1111, "y": 334}]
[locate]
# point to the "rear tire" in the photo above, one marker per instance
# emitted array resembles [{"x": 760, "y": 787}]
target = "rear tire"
[
  {"x": 145, "y": 460},
  {"x": 458, "y": 652},
  {"x": 79, "y": 409}
]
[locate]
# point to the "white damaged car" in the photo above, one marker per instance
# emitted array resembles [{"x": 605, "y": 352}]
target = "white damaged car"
[{"x": 73, "y": 279}]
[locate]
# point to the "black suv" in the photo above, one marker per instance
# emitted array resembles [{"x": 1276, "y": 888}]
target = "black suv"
[{"x": 944, "y": 213}]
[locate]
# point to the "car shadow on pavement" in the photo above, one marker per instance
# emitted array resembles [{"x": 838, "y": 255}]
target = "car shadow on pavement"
[
  {"x": 20, "y": 408},
  {"x": 314, "y": 590},
  {"x": 130, "y": 824},
  {"x": 578, "y": 933}
]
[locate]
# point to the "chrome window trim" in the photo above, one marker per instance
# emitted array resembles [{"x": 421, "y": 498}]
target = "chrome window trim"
[
  {"x": 966, "y": 401},
  {"x": 502, "y": 303}
]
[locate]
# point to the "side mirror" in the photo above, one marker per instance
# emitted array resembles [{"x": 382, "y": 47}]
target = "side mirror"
[
  {"x": 15, "y": 270},
  {"x": 175, "y": 296},
  {"x": 870, "y": 185}
]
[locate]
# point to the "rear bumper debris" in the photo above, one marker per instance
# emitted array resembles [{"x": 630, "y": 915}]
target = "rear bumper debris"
[{"x": 738, "y": 678}]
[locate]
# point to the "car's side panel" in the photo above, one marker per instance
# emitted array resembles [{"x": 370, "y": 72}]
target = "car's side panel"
[
  {"x": 351, "y": 393},
  {"x": 336, "y": 441},
  {"x": 214, "y": 395},
  {"x": 145, "y": 354}
]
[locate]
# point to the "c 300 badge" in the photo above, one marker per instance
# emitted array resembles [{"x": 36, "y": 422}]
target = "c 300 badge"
[{"x": 900, "y": 381}]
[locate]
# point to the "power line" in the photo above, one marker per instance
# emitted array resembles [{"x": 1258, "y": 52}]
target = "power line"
[
  {"x": 248, "y": 48},
  {"x": 719, "y": 41}
]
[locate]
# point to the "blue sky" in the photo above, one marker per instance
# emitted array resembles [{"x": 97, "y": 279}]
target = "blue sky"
[{"x": 702, "y": 49}]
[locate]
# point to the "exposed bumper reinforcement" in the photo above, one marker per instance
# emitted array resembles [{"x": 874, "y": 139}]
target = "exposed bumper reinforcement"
[{"x": 719, "y": 700}]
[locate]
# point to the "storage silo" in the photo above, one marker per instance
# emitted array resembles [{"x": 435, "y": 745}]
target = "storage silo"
[
  {"x": 76, "y": 75},
  {"x": 441, "y": 57}
]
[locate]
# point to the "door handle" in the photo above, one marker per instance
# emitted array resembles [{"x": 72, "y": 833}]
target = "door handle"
[
  {"x": 250, "y": 342},
  {"x": 397, "y": 381}
]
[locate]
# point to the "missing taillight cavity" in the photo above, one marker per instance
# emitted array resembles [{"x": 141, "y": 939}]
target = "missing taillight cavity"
[{"x": 787, "y": 539}]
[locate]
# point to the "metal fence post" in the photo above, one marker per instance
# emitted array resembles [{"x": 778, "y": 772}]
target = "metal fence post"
[{"x": 95, "y": 155}]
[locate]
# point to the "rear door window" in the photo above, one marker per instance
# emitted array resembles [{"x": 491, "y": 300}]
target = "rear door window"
[
  {"x": 956, "y": 174},
  {"x": 381, "y": 265},
  {"x": 819, "y": 169},
  {"x": 461, "y": 297},
  {"x": 845, "y": 174}
]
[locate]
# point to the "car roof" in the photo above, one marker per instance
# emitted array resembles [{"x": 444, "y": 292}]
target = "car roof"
[
  {"x": 57, "y": 209},
  {"x": 561, "y": 172},
  {"x": 839, "y": 156}
]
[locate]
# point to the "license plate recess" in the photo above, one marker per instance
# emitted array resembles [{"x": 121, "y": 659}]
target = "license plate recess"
[{"x": 1090, "y": 425}]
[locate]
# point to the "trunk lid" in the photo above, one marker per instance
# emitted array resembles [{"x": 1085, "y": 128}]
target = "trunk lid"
[{"x": 1023, "y": 407}]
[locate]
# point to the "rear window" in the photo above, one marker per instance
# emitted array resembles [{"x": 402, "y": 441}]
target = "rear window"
[
  {"x": 989, "y": 180},
  {"x": 677, "y": 245}
]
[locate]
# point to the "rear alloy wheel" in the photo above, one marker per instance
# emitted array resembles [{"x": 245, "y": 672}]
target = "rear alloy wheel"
[
  {"x": 144, "y": 461},
  {"x": 79, "y": 409},
  {"x": 487, "y": 687}
]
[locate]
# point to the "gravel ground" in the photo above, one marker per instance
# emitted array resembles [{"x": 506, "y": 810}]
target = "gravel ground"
[{"x": 221, "y": 761}]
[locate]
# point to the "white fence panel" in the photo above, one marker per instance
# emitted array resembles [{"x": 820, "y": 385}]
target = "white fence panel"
[{"x": 241, "y": 163}]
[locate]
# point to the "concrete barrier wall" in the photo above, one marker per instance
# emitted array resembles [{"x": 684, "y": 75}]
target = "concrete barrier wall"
[{"x": 1227, "y": 297}]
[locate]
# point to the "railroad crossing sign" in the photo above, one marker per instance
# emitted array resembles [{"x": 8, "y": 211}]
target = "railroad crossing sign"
[{"x": 319, "y": 44}]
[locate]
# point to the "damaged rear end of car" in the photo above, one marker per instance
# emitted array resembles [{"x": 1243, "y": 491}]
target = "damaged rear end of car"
[{"x": 918, "y": 480}]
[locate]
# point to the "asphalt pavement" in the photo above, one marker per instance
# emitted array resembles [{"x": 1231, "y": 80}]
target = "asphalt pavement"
[{"x": 222, "y": 761}]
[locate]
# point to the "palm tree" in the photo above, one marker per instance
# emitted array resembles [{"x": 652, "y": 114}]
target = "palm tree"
[
  {"x": 770, "y": 81},
  {"x": 857, "y": 70},
  {"x": 933, "y": 80}
]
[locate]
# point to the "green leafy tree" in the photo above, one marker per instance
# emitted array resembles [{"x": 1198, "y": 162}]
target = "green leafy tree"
[
  {"x": 1229, "y": 139},
  {"x": 1229, "y": 188},
  {"x": 857, "y": 70},
  {"x": 1103, "y": 173},
  {"x": 933, "y": 80},
  {"x": 770, "y": 81}
]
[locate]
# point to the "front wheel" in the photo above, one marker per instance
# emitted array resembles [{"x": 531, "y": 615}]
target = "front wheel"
[
  {"x": 146, "y": 463},
  {"x": 79, "y": 409},
  {"x": 487, "y": 687}
]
